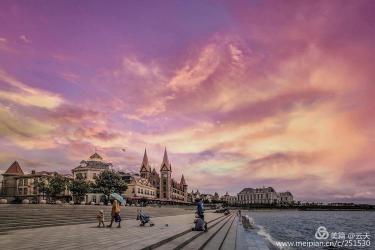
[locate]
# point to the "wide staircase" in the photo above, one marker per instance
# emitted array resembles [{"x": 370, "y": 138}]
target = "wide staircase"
[{"x": 221, "y": 235}]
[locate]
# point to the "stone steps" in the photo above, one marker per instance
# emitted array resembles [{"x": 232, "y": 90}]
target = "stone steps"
[
  {"x": 192, "y": 239},
  {"x": 201, "y": 241},
  {"x": 217, "y": 241},
  {"x": 231, "y": 237}
]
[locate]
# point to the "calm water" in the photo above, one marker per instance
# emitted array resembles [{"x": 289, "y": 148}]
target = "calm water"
[{"x": 301, "y": 225}]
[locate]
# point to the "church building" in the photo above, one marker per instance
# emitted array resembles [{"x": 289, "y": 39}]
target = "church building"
[{"x": 167, "y": 188}]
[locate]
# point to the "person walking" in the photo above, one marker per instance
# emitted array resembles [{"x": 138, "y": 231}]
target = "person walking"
[{"x": 115, "y": 214}]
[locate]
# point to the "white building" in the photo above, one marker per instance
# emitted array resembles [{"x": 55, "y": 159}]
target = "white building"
[
  {"x": 229, "y": 199},
  {"x": 264, "y": 195},
  {"x": 286, "y": 197}
]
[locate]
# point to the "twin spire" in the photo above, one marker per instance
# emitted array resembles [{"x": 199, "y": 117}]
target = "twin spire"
[{"x": 146, "y": 166}]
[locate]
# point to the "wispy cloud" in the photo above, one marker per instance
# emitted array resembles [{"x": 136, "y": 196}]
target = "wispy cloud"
[{"x": 22, "y": 94}]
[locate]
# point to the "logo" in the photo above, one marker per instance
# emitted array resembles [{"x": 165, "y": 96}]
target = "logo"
[{"x": 321, "y": 233}]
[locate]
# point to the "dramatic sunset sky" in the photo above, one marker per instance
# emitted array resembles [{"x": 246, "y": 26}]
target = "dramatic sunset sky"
[{"x": 242, "y": 93}]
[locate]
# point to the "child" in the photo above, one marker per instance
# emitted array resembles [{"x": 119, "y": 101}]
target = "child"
[{"x": 100, "y": 218}]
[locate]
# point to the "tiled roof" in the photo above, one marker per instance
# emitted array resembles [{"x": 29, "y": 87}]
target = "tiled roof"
[
  {"x": 96, "y": 156},
  {"x": 15, "y": 168}
]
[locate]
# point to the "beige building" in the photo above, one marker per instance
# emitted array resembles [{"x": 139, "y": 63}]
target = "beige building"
[
  {"x": 139, "y": 187},
  {"x": 17, "y": 184},
  {"x": 89, "y": 169},
  {"x": 9, "y": 183},
  {"x": 167, "y": 188}
]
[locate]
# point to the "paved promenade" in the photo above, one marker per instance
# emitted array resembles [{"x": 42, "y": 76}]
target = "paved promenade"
[
  {"x": 169, "y": 232},
  {"x": 88, "y": 236}
]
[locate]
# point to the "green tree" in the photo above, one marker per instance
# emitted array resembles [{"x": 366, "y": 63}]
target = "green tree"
[
  {"x": 42, "y": 186},
  {"x": 108, "y": 182},
  {"x": 56, "y": 185},
  {"x": 79, "y": 188}
]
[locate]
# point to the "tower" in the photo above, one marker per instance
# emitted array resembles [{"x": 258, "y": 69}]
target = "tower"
[
  {"x": 166, "y": 177},
  {"x": 184, "y": 187},
  {"x": 145, "y": 167}
]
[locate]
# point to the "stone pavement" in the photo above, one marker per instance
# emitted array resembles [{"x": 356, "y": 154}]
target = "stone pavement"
[
  {"x": 88, "y": 236},
  {"x": 18, "y": 216}
]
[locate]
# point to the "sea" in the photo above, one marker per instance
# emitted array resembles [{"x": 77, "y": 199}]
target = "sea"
[{"x": 294, "y": 229}]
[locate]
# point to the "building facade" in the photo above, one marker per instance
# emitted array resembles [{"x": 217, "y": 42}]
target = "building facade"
[
  {"x": 89, "y": 169},
  {"x": 264, "y": 195},
  {"x": 229, "y": 199},
  {"x": 18, "y": 185},
  {"x": 286, "y": 197},
  {"x": 166, "y": 187},
  {"x": 139, "y": 187}
]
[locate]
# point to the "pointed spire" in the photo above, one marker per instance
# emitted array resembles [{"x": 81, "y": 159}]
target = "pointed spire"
[
  {"x": 183, "y": 182},
  {"x": 165, "y": 160},
  {"x": 145, "y": 163}
]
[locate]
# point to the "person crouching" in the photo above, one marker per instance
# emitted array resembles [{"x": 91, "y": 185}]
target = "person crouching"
[{"x": 199, "y": 224}]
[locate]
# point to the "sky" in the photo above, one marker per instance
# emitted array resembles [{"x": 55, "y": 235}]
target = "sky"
[{"x": 241, "y": 93}]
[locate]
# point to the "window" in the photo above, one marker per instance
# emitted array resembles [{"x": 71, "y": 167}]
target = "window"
[
  {"x": 94, "y": 198},
  {"x": 25, "y": 182},
  {"x": 94, "y": 175},
  {"x": 20, "y": 191},
  {"x": 25, "y": 191}
]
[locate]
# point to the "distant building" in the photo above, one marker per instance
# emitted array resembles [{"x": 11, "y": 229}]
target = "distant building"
[
  {"x": 264, "y": 195},
  {"x": 286, "y": 197},
  {"x": 229, "y": 199},
  {"x": 194, "y": 195}
]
